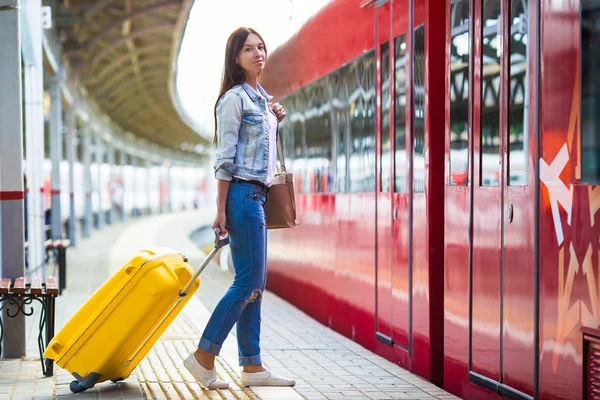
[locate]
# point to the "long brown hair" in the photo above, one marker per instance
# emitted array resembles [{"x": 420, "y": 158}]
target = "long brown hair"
[{"x": 233, "y": 74}]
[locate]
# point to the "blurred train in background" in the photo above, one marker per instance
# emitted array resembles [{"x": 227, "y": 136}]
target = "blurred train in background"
[
  {"x": 446, "y": 161},
  {"x": 139, "y": 190}
]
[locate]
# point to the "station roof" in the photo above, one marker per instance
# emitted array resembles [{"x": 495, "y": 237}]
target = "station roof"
[{"x": 124, "y": 53}]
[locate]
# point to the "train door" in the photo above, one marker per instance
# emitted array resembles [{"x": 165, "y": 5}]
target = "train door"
[
  {"x": 401, "y": 282},
  {"x": 502, "y": 356},
  {"x": 393, "y": 278},
  {"x": 383, "y": 276}
]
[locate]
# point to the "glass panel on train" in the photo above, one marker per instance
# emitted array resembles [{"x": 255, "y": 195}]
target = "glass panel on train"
[
  {"x": 419, "y": 110},
  {"x": 338, "y": 111},
  {"x": 341, "y": 179},
  {"x": 385, "y": 118},
  {"x": 299, "y": 164},
  {"x": 361, "y": 102},
  {"x": 286, "y": 135},
  {"x": 518, "y": 101},
  {"x": 400, "y": 158},
  {"x": 460, "y": 45},
  {"x": 318, "y": 138},
  {"x": 290, "y": 132},
  {"x": 490, "y": 95},
  {"x": 590, "y": 91},
  {"x": 339, "y": 150}
]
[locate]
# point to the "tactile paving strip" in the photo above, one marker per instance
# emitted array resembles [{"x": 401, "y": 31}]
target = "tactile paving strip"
[{"x": 161, "y": 373}]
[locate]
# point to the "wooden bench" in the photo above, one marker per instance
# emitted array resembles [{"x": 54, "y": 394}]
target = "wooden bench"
[
  {"x": 17, "y": 297},
  {"x": 58, "y": 249}
]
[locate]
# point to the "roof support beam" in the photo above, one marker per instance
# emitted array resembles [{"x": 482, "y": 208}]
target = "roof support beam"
[
  {"x": 93, "y": 10},
  {"x": 148, "y": 123},
  {"x": 161, "y": 61},
  {"x": 100, "y": 74},
  {"x": 150, "y": 126},
  {"x": 120, "y": 101},
  {"x": 132, "y": 35},
  {"x": 159, "y": 18},
  {"x": 115, "y": 88},
  {"x": 136, "y": 107},
  {"x": 127, "y": 18},
  {"x": 129, "y": 6}
]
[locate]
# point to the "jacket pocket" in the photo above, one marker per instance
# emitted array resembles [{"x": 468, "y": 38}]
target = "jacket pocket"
[{"x": 252, "y": 124}]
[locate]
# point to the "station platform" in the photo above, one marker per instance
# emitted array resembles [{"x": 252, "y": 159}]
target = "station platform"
[{"x": 325, "y": 364}]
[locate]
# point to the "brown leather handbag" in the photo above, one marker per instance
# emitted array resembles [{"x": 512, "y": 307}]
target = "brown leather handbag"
[{"x": 281, "y": 204}]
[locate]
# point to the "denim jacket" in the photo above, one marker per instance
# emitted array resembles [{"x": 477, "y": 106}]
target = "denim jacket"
[{"x": 242, "y": 133}]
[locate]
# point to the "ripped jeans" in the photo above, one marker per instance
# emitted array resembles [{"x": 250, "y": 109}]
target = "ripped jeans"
[{"x": 247, "y": 228}]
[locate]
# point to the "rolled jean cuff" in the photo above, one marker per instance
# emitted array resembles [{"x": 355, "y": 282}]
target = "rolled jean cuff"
[
  {"x": 252, "y": 360},
  {"x": 209, "y": 347}
]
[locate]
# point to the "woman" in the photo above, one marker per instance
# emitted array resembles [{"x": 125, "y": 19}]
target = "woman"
[{"x": 245, "y": 135}]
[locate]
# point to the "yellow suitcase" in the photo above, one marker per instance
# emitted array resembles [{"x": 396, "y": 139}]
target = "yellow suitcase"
[{"x": 114, "y": 330}]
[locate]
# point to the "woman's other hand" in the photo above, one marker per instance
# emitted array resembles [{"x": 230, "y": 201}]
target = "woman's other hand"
[
  {"x": 220, "y": 222},
  {"x": 278, "y": 110}
]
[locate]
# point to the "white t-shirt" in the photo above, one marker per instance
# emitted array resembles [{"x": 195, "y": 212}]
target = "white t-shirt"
[{"x": 272, "y": 168}]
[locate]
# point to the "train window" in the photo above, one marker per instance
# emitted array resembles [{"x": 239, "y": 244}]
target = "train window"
[
  {"x": 361, "y": 100},
  {"x": 590, "y": 91},
  {"x": 286, "y": 131},
  {"x": 518, "y": 96},
  {"x": 419, "y": 110},
  {"x": 460, "y": 45},
  {"x": 385, "y": 118},
  {"x": 338, "y": 113},
  {"x": 286, "y": 135},
  {"x": 299, "y": 163},
  {"x": 318, "y": 153},
  {"x": 338, "y": 118},
  {"x": 342, "y": 150},
  {"x": 490, "y": 95},
  {"x": 400, "y": 161},
  {"x": 318, "y": 138}
]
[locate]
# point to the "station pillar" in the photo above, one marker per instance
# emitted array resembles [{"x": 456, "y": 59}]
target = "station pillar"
[
  {"x": 56, "y": 154},
  {"x": 169, "y": 187},
  {"x": 134, "y": 186},
  {"x": 110, "y": 160},
  {"x": 99, "y": 161},
  {"x": 70, "y": 144},
  {"x": 149, "y": 185},
  {"x": 33, "y": 74},
  {"x": 12, "y": 237},
  {"x": 87, "y": 180},
  {"x": 122, "y": 163}
]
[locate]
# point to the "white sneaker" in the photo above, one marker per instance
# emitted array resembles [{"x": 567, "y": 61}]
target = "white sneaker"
[
  {"x": 265, "y": 378},
  {"x": 208, "y": 378}
]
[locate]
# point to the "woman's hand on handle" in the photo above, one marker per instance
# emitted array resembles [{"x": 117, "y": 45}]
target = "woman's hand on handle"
[
  {"x": 220, "y": 222},
  {"x": 278, "y": 110}
]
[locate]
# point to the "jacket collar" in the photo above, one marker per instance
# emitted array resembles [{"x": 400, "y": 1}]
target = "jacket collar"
[{"x": 253, "y": 94}]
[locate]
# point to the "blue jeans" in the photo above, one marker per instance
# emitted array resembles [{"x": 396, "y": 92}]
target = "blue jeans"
[{"x": 247, "y": 227}]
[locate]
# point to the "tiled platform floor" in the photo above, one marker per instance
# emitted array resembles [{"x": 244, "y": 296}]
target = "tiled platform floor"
[{"x": 325, "y": 364}]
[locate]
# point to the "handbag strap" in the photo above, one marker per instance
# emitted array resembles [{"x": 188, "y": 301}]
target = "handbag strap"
[{"x": 280, "y": 152}]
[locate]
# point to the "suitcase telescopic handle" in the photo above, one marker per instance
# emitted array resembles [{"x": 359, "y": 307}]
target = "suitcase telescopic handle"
[{"x": 219, "y": 242}]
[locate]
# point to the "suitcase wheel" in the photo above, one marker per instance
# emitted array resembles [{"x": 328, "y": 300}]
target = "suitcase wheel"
[
  {"x": 117, "y": 380},
  {"x": 76, "y": 387}
]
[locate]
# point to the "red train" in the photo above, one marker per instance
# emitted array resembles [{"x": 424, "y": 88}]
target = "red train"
[{"x": 446, "y": 157}]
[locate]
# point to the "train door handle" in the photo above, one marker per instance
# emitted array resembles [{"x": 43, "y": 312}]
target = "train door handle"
[
  {"x": 395, "y": 212},
  {"x": 510, "y": 213}
]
